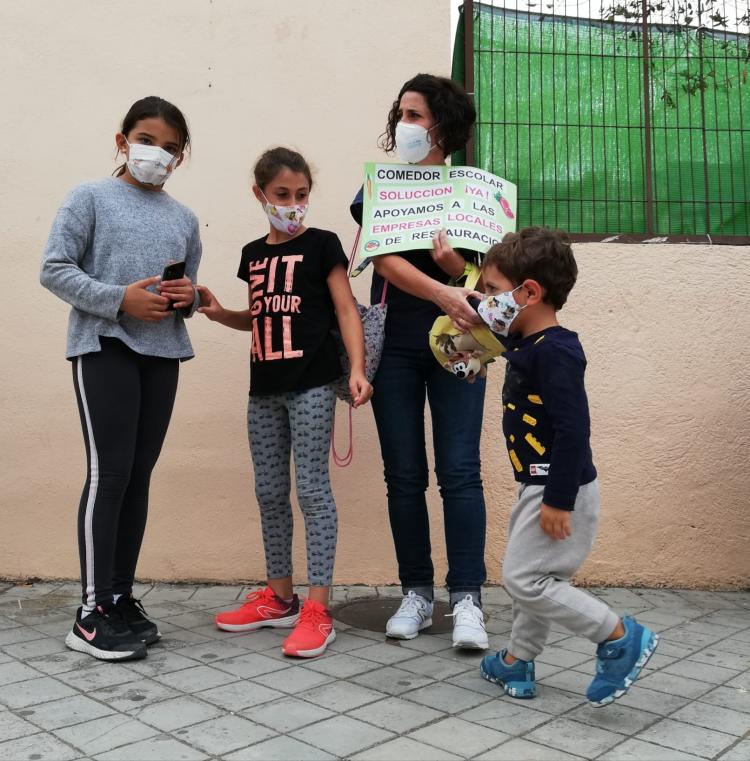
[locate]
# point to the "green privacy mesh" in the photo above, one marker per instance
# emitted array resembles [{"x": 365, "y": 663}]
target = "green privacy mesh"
[{"x": 561, "y": 114}]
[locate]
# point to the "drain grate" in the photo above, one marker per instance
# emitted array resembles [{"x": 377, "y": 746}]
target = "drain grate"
[{"x": 372, "y": 614}]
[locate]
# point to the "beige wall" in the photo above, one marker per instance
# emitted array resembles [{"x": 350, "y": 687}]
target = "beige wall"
[{"x": 665, "y": 328}]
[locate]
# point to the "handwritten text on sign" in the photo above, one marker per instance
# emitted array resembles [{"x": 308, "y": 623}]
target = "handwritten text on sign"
[{"x": 406, "y": 205}]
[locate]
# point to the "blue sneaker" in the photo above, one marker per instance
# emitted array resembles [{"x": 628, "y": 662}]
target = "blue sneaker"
[
  {"x": 619, "y": 662},
  {"x": 516, "y": 680}
]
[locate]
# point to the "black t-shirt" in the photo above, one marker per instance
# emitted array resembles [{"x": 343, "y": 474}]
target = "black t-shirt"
[
  {"x": 292, "y": 310},
  {"x": 409, "y": 318}
]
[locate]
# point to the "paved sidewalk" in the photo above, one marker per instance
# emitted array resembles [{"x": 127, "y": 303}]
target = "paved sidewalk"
[{"x": 202, "y": 693}]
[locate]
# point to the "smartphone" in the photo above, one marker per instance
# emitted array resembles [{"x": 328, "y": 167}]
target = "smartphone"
[{"x": 173, "y": 271}]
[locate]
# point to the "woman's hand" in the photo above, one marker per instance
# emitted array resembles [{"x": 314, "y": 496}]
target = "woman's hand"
[
  {"x": 210, "y": 305},
  {"x": 360, "y": 388},
  {"x": 451, "y": 262},
  {"x": 143, "y": 304},
  {"x": 180, "y": 292},
  {"x": 453, "y": 302}
]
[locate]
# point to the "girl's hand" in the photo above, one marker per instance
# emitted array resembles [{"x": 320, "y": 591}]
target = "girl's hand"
[
  {"x": 181, "y": 292},
  {"x": 451, "y": 262},
  {"x": 555, "y": 522},
  {"x": 142, "y": 304},
  {"x": 360, "y": 388},
  {"x": 210, "y": 305},
  {"x": 453, "y": 302}
]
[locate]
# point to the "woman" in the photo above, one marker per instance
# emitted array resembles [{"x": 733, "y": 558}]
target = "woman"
[{"x": 431, "y": 118}]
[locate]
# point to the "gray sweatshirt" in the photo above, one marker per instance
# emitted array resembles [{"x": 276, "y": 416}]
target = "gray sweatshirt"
[{"x": 106, "y": 235}]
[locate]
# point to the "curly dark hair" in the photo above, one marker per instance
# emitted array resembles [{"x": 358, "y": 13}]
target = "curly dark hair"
[
  {"x": 450, "y": 105},
  {"x": 537, "y": 253}
]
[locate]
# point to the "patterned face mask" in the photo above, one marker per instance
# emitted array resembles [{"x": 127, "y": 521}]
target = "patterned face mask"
[
  {"x": 499, "y": 311},
  {"x": 286, "y": 219}
]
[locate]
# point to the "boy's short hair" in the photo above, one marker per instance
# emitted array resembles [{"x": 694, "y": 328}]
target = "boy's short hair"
[{"x": 537, "y": 253}]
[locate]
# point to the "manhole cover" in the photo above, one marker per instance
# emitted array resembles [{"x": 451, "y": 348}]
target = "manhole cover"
[{"x": 372, "y": 614}]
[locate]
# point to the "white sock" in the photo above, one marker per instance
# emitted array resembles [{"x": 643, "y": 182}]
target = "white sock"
[
  {"x": 115, "y": 598},
  {"x": 87, "y": 610}
]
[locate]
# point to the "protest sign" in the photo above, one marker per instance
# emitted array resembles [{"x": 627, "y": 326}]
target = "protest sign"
[{"x": 405, "y": 205}]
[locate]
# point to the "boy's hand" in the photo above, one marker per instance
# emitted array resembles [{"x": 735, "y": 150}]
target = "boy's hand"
[{"x": 555, "y": 523}]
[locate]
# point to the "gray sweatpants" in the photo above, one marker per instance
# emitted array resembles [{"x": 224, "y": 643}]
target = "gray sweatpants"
[
  {"x": 277, "y": 425},
  {"x": 537, "y": 571}
]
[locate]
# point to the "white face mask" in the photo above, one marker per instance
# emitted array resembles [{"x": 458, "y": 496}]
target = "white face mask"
[
  {"x": 499, "y": 311},
  {"x": 150, "y": 164},
  {"x": 413, "y": 142},
  {"x": 286, "y": 219}
]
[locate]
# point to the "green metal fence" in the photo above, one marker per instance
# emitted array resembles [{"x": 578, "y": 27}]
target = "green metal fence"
[{"x": 608, "y": 126}]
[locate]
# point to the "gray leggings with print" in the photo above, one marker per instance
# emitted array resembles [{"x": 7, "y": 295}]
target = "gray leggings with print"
[{"x": 298, "y": 422}]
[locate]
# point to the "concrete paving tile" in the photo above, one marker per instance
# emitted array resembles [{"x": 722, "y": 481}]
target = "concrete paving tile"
[
  {"x": 576, "y": 738},
  {"x": 403, "y": 748},
  {"x": 492, "y": 596},
  {"x": 737, "y": 599},
  {"x": 392, "y": 680},
  {"x": 160, "y": 662},
  {"x": 192, "y": 620},
  {"x": 714, "y": 717},
  {"x": 700, "y": 670},
  {"x": 208, "y": 652},
  {"x": 732, "y": 645},
  {"x": 554, "y": 701},
  {"x": 672, "y": 684},
  {"x": 523, "y": 750},
  {"x": 5, "y": 658},
  {"x": 386, "y": 653},
  {"x": 177, "y": 638},
  {"x": 732, "y": 619},
  {"x": 675, "y": 649},
  {"x": 471, "y": 680},
  {"x": 739, "y": 752},
  {"x": 16, "y": 672},
  {"x": 133, "y": 696},
  {"x": 215, "y": 594},
  {"x": 158, "y": 748},
  {"x": 248, "y": 665},
  {"x": 237, "y": 696},
  {"x": 8, "y": 623},
  {"x": 195, "y": 678},
  {"x": 615, "y": 717},
  {"x": 224, "y": 734},
  {"x": 18, "y": 634},
  {"x": 342, "y": 735},
  {"x": 706, "y": 600},
  {"x": 89, "y": 679},
  {"x": 396, "y": 715},
  {"x": 638, "y": 750},
  {"x": 294, "y": 679},
  {"x": 280, "y": 749},
  {"x": 34, "y": 691},
  {"x": 661, "y": 598},
  {"x": 693, "y": 638},
  {"x": 660, "y": 620},
  {"x": 57, "y": 663},
  {"x": 649, "y": 700},
  {"x": 37, "y": 746},
  {"x": 170, "y": 593},
  {"x": 31, "y": 591},
  {"x": 565, "y": 658},
  {"x": 446, "y": 697},
  {"x": 105, "y": 733},
  {"x": 345, "y": 642},
  {"x": 35, "y": 647},
  {"x": 66, "y": 711},
  {"x": 741, "y": 682},
  {"x": 678, "y": 735},
  {"x": 341, "y": 696},
  {"x": 460, "y": 737},
  {"x": 287, "y": 714},
  {"x": 12, "y": 727},
  {"x": 578, "y": 644},
  {"x": 164, "y": 610},
  {"x": 622, "y": 600},
  {"x": 569, "y": 680},
  {"x": 341, "y": 666},
  {"x": 426, "y": 643},
  {"x": 179, "y": 712},
  {"x": 735, "y": 698},
  {"x": 207, "y": 633},
  {"x": 513, "y": 717},
  {"x": 434, "y": 667},
  {"x": 715, "y": 657},
  {"x": 261, "y": 640}
]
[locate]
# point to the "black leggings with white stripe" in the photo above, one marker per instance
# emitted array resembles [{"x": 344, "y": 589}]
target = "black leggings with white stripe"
[{"x": 125, "y": 401}]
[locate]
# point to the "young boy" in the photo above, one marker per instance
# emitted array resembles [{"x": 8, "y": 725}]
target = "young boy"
[{"x": 527, "y": 279}]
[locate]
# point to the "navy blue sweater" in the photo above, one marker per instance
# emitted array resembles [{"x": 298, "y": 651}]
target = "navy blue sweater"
[{"x": 546, "y": 414}]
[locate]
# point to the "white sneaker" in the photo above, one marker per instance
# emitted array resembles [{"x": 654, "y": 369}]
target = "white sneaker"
[
  {"x": 413, "y": 615},
  {"x": 468, "y": 625}
]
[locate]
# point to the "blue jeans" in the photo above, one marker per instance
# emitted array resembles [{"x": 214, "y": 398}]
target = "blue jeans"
[{"x": 404, "y": 379}]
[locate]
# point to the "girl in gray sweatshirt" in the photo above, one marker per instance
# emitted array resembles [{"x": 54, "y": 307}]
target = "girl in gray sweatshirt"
[{"x": 109, "y": 243}]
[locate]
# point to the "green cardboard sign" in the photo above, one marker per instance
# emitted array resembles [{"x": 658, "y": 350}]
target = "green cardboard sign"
[{"x": 405, "y": 205}]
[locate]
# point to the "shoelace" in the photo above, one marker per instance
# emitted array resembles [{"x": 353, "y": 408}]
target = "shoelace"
[
  {"x": 114, "y": 620},
  {"x": 135, "y": 607},
  {"x": 311, "y": 617},
  {"x": 466, "y": 607},
  {"x": 411, "y": 605},
  {"x": 265, "y": 595}
]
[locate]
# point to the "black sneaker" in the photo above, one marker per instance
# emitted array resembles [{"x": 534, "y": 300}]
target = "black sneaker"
[
  {"x": 134, "y": 615},
  {"x": 105, "y": 635}
]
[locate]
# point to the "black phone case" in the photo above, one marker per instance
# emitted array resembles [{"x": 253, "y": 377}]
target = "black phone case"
[{"x": 173, "y": 272}]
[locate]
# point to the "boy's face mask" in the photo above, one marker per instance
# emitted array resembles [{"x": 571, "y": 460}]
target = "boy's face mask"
[{"x": 499, "y": 311}]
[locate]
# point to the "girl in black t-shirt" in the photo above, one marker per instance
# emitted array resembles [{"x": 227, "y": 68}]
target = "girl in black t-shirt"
[{"x": 298, "y": 291}]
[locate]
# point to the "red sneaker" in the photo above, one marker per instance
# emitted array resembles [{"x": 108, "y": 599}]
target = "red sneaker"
[
  {"x": 263, "y": 608},
  {"x": 313, "y": 633}
]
